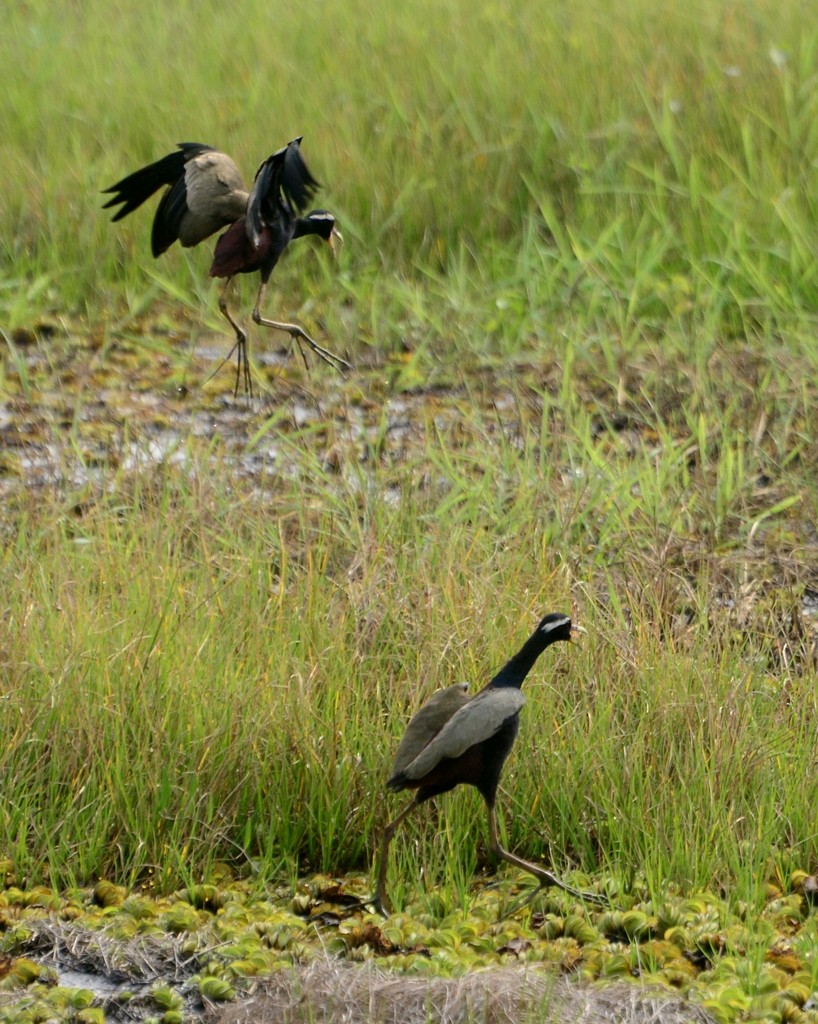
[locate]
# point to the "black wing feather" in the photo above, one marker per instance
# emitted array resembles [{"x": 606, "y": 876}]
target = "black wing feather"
[
  {"x": 168, "y": 220},
  {"x": 297, "y": 184},
  {"x": 283, "y": 174},
  {"x": 133, "y": 190}
]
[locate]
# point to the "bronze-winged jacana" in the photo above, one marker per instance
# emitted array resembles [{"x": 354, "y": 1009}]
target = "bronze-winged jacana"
[
  {"x": 455, "y": 738},
  {"x": 204, "y": 193}
]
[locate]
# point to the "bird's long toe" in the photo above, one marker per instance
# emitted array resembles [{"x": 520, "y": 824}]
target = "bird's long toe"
[{"x": 380, "y": 904}]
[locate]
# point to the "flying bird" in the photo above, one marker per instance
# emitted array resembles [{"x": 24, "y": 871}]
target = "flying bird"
[
  {"x": 204, "y": 193},
  {"x": 459, "y": 739}
]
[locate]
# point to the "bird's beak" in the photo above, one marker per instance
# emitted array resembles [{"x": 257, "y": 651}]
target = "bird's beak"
[
  {"x": 335, "y": 238},
  {"x": 576, "y": 628}
]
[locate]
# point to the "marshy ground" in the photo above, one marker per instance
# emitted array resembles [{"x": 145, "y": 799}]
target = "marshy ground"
[{"x": 111, "y": 954}]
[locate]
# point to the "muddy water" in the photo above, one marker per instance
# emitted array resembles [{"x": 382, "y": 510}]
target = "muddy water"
[{"x": 76, "y": 419}]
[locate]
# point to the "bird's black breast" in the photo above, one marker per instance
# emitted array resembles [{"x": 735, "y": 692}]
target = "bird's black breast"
[{"x": 280, "y": 235}]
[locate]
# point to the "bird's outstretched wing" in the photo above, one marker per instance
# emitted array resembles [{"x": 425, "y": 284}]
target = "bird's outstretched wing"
[
  {"x": 476, "y": 721},
  {"x": 207, "y": 196},
  {"x": 282, "y": 175},
  {"x": 133, "y": 190},
  {"x": 201, "y": 196}
]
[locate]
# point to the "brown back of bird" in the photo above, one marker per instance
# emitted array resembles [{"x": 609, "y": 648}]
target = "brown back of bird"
[{"x": 427, "y": 723}]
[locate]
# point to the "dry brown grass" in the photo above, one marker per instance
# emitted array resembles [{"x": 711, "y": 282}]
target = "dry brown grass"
[{"x": 327, "y": 990}]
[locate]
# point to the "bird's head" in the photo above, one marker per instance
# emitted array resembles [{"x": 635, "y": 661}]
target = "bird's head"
[
  {"x": 556, "y": 626},
  {"x": 322, "y": 223}
]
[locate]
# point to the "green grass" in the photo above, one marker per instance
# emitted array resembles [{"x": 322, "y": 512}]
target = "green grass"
[
  {"x": 660, "y": 164},
  {"x": 593, "y": 231},
  {"x": 194, "y": 674}
]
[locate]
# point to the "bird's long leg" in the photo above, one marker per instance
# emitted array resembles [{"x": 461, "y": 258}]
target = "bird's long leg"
[
  {"x": 298, "y": 334},
  {"x": 240, "y": 346},
  {"x": 545, "y": 877},
  {"x": 379, "y": 900}
]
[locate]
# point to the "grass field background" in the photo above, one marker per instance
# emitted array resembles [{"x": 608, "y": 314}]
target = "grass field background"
[
  {"x": 660, "y": 162},
  {"x": 587, "y": 235}
]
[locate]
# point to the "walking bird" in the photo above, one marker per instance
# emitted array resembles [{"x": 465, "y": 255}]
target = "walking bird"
[
  {"x": 205, "y": 193},
  {"x": 455, "y": 738}
]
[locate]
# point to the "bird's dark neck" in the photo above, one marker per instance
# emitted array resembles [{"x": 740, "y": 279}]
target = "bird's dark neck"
[{"x": 517, "y": 668}]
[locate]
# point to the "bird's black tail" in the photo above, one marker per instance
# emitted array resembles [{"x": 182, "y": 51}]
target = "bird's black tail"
[
  {"x": 132, "y": 191},
  {"x": 397, "y": 782}
]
